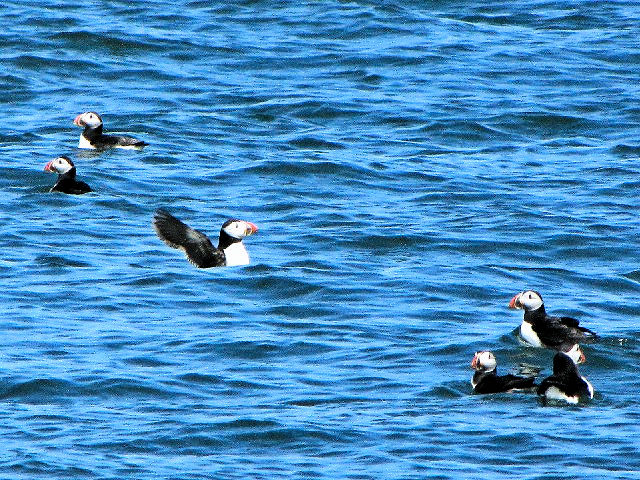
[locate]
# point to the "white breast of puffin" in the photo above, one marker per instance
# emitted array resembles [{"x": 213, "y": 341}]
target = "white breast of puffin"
[
  {"x": 84, "y": 143},
  {"x": 554, "y": 393},
  {"x": 528, "y": 335},
  {"x": 236, "y": 254}
]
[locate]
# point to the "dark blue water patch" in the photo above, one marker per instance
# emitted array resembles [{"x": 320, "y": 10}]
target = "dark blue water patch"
[
  {"x": 33, "y": 62},
  {"x": 497, "y": 18},
  {"x": 314, "y": 144},
  {"x": 148, "y": 362},
  {"x": 31, "y": 468},
  {"x": 128, "y": 388},
  {"x": 42, "y": 390},
  {"x": 626, "y": 150},
  {"x": 633, "y": 275},
  {"x": 58, "y": 262},
  {"x": 256, "y": 350},
  {"x": 201, "y": 379}
]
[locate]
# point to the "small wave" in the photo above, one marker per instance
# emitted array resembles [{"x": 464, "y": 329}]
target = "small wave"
[
  {"x": 315, "y": 144},
  {"x": 626, "y": 151},
  {"x": 58, "y": 261},
  {"x": 41, "y": 390}
]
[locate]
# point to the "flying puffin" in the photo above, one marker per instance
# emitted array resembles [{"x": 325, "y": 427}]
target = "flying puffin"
[
  {"x": 542, "y": 330},
  {"x": 198, "y": 247},
  {"x": 566, "y": 383},
  {"x": 486, "y": 380},
  {"x": 92, "y": 136},
  {"x": 66, "y": 171}
]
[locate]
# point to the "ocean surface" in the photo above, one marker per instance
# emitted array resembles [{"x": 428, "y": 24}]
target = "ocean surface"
[{"x": 410, "y": 165}]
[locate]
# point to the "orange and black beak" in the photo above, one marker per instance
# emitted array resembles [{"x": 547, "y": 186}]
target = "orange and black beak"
[
  {"x": 251, "y": 228},
  {"x": 582, "y": 358},
  {"x": 515, "y": 301},
  {"x": 474, "y": 362}
]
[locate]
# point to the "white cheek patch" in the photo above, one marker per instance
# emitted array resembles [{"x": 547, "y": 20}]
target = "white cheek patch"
[
  {"x": 234, "y": 230},
  {"x": 532, "y": 304},
  {"x": 62, "y": 168},
  {"x": 90, "y": 122},
  {"x": 574, "y": 354},
  {"x": 487, "y": 361}
]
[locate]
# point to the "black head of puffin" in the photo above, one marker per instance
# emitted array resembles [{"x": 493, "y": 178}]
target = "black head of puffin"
[
  {"x": 574, "y": 352},
  {"x": 88, "y": 119}
]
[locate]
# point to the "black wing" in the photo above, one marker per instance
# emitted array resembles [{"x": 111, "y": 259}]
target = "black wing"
[
  {"x": 572, "y": 323},
  {"x": 70, "y": 185},
  {"x": 196, "y": 245},
  {"x": 504, "y": 383},
  {"x": 549, "y": 382},
  {"x": 558, "y": 330},
  {"x": 130, "y": 142},
  {"x": 105, "y": 141}
]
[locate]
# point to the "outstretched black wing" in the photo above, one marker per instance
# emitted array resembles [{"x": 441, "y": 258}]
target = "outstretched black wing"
[{"x": 196, "y": 245}]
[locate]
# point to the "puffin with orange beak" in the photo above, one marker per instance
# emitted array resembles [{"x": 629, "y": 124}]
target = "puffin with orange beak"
[
  {"x": 566, "y": 384},
  {"x": 66, "y": 171},
  {"x": 198, "y": 247},
  {"x": 92, "y": 136},
  {"x": 541, "y": 330},
  {"x": 486, "y": 380}
]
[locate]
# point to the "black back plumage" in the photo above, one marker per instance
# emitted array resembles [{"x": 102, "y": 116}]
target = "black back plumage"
[
  {"x": 491, "y": 382},
  {"x": 565, "y": 378},
  {"x": 67, "y": 183},
  {"x": 555, "y": 331},
  {"x": 100, "y": 141}
]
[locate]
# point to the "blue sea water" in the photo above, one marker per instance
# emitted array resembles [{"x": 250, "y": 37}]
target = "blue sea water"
[{"x": 411, "y": 166}]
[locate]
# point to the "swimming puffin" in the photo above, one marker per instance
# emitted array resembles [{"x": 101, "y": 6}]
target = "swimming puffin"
[
  {"x": 198, "y": 247},
  {"x": 566, "y": 383},
  {"x": 66, "y": 171},
  {"x": 92, "y": 136},
  {"x": 486, "y": 380},
  {"x": 542, "y": 330}
]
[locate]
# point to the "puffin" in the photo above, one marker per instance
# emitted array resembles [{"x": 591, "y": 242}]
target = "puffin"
[
  {"x": 486, "y": 380},
  {"x": 92, "y": 136},
  {"x": 566, "y": 383},
  {"x": 198, "y": 247},
  {"x": 66, "y": 171},
  {"x": 541, "y": 330}
]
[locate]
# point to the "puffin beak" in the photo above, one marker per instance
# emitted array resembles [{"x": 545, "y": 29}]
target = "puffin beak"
[
  {"x": 515, "y": 301},
  {"x": 582, "y": 358},
  {"x": 251, "y": 228},
  {"x": 474, "y": 362},
  {"x": 76, "y": 121},
  {"x": 47, "y": 167}
]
